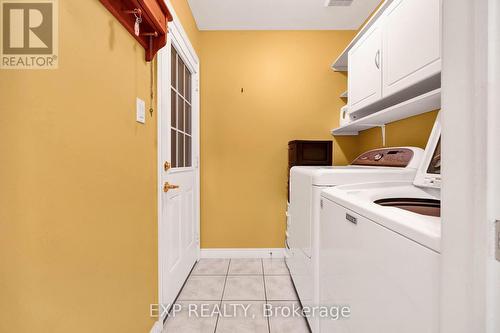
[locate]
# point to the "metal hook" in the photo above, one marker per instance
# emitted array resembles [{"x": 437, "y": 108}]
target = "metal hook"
[{"x": 137, "y": 13}]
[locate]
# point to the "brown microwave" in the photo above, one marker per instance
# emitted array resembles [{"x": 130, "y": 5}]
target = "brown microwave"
[{"x": 304, "y": 152}]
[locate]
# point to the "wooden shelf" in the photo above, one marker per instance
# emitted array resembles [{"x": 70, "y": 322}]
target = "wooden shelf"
[
  {"x": 421, "y": 104},
  {"x": 340, "y": 64},
  {"x": 154, "y": 16}
]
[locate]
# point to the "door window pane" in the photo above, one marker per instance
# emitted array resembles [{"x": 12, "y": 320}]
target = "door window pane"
[
  {"x": 173, "y": 68},
  {"x": 180, "y": 71},
  {"x": 180, "y": 148},
  {"x": 181, "y": 113},
  {"x": 173, "y": 152},
  {"x": 187, "y": 117},
  {"x": 173, "y": 114},
  {"x": 188, "y": 150},
  {"x": 188, "y": 85}
]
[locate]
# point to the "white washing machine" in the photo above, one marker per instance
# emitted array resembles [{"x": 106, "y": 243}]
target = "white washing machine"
[
  {"x": 306, "y": 183},
  {"x": 380, "y": 245}
]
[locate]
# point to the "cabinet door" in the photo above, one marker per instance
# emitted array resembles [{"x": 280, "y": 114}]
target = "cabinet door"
[
  {"x": 365, "y": 79},
  {"x": 411, "y": 43}
]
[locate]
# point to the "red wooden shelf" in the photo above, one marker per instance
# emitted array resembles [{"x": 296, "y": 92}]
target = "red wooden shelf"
[{"x": 154, "y": 16}]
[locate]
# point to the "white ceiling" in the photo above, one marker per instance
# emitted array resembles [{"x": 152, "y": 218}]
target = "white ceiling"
[{"x": 279, "y": 14}]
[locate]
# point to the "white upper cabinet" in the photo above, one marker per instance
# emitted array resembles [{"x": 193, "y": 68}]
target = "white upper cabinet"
[
  {"x": 411, "y": 43},
  {"x": 397, "y": 58},
  {"x": 365, "y": 70}
]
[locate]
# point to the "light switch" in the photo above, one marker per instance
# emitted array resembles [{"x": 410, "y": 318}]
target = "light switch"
[{"x": 140, "y": 111}]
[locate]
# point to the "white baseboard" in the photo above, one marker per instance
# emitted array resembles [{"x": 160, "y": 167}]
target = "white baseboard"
[
  {"x": 243, "y": 253},
  {"x": 157, "y": 327}
]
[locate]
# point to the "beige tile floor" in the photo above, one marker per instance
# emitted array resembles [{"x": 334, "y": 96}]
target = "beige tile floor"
[{"x": 229, "y": 296}]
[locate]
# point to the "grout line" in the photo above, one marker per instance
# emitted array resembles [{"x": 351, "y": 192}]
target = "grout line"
[
  {"x": 264, "y": 280},
  {"x": 265, "y": 293},
  {"x": 198, "y": 300},
  {"x": 222, "y": 297},
  {"x": 244, "y": 300},
  {"x": 225, "y": 282}
]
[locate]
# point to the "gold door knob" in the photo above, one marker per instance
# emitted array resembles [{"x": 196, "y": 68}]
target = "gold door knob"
[
  {"x": 167, "y": 187},
  {"x": 166, "y": 166}
]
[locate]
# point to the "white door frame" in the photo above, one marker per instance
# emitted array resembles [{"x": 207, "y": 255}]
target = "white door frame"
[
  {"x": 470, "y": 277},
  {"x": 178, "y": 37}
]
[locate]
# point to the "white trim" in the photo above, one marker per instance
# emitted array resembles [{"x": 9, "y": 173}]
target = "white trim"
[
  {"x": 243, "y": 253},
  {"x": 177, "y": 24},
  {"x": 469, "y": 272},
  {"x": 177, "y": 36},
  {"x": 493, "y": 153},
  {"x": 160, "y": 77},
  {"x": 157, "y": 327}
]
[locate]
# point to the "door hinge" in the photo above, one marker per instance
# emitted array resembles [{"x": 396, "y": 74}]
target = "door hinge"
[
  {"x": 321, "y": 203},
  {"x": 497, "y": 240}
]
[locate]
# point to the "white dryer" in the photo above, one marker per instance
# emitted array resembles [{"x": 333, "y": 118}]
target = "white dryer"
[
  {"x": 306, "y": 184},
  {"x": 380, "y": 245}
]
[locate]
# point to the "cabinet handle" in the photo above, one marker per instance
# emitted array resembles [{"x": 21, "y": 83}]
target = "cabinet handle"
[{"x": 377, "y": 59}]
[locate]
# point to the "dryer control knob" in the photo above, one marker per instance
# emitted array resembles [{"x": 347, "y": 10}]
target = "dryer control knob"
[{"x": 378, "y": 157}]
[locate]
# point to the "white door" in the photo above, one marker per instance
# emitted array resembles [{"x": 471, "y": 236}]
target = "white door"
[
  {"x": 178, "y": 175},
  {"x": 365, "y": 78},
  {"x": 412, "y": 43}
]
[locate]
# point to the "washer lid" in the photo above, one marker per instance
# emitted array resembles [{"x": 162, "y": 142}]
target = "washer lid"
[
  {"x": 359, "y": 198},
  {"x": 429, "y": 172}
]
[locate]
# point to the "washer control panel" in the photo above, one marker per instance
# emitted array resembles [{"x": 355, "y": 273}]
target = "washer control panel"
[{"x": 389, "y": 157}]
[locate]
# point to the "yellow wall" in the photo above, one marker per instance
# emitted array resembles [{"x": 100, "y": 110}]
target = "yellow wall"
[
  {"x": 289, "y": 92},
  {"x": 413, "y": 131},
  {"x": 78, "y": 241},
  {"x": 78, "y": 222}
]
